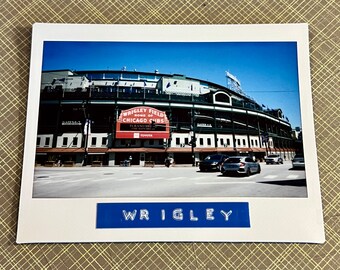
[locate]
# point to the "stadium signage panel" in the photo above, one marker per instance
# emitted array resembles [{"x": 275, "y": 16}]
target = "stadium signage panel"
[
  {"x": 142, "y": 123},
  {"x": 71, "y": 123},
  {"x": 204, "y": 125}
]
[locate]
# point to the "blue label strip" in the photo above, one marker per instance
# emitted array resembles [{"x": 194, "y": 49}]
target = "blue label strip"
[{"x": 173, "y": 215}]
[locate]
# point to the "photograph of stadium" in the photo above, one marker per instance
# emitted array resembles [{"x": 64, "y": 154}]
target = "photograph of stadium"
[{"x": 169, "y": 119}]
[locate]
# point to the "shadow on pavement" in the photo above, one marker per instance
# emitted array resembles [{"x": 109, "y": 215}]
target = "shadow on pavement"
[
  {"x": 297, "y": 169},
  {"x": 207, "y": 172},
  {"x": 296, "y": 183},
  {"x": 233, "y": 175}
]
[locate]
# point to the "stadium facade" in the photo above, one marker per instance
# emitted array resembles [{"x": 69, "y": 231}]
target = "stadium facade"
[{"x": 105, "y": 117}]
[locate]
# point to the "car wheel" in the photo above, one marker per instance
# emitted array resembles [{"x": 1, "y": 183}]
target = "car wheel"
[{"x": 248, "y": 172}]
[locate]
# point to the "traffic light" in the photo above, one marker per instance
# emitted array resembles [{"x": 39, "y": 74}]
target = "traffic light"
[{"x": 193, "y": 141}]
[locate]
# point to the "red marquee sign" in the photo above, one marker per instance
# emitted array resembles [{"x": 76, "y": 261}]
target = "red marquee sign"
[{"x": 142, "y": 123}]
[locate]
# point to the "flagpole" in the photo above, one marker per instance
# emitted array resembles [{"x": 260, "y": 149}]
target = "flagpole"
[
  {"x": 86, "y": 142},
  {"x": 144, "y": 89}
]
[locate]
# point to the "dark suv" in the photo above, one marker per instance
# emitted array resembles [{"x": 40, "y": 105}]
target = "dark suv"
[{"x": 212, "y": 163}]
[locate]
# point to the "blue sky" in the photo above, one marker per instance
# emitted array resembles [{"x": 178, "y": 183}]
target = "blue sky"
[{"x": 267, "y": 70}]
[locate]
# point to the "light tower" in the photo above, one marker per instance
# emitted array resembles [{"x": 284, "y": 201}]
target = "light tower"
[{"x": 233, "y": 83}]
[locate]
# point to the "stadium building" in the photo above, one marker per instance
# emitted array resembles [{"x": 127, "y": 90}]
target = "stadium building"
[{"x": 105, "y": 117}]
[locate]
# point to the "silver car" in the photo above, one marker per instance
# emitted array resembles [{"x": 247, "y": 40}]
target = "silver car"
[
  {"x": 298, "y": 162},
  {"x": 273, "y": 159},
  {"x": 240, "y": 165}
]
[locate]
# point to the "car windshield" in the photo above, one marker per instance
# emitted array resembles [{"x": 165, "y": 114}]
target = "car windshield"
[
  {"x": 233, "y": 160},
  {"x": 213, "y": 157}
]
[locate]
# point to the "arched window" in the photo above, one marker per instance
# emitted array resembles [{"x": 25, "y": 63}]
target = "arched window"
[{"x": 222, "y": 98}]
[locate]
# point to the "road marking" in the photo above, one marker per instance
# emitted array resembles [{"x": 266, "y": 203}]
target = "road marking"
[
  {"x": 292, "y": 176},
  {"x": 152, "y": 179},
  {"x": 200, "y": 178},
  {"x": 176, "y": 178},
  {"x": 224, "y": 183},
  {"x": 42, "y": 182},
  {"x": 77, "y": 180},
  {"x": 127, "y": 179},
  {"x": 103, "y": 179},
  {"x": 270, "y": 176},
  {"x": 55, "y": 181}
]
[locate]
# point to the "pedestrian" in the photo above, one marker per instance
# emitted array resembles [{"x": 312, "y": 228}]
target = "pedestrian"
[
  {"x": 169, "y": 161},
  {"x": 59, "y": 161}
]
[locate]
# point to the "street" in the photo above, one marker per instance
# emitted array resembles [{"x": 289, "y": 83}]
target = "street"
[{"x": 160, "y": 181}]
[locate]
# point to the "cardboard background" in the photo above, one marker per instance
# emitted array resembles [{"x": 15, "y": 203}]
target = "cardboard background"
[{"x": 17, "y": 18}]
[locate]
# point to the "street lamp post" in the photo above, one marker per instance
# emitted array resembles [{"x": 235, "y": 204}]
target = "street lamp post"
[
  {"x": 193, "y": 138},
  {"x": 86, "y": 132},
  {"x": 193, "y": 145}
]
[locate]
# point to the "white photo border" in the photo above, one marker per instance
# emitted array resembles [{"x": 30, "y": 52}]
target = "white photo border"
[{"x": 74, "y": 220}]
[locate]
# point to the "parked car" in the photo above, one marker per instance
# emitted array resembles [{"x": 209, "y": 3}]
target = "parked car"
[
  {"x": 273, "y": 159},
  {"x": 298, "y": 161},
  {"x": 240, "y": 165},
  {"x": 212, "y": 163}
]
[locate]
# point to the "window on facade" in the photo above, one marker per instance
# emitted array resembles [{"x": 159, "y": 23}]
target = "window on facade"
[
  {"x": 110, "y": 75},
  {"x": 209, "y": 141},
  {"x": 228, "y": 141},
  {"x": 221, "y": 141},
  {"x": 147, "y": 77},
  {"x": 130, "y": 76},
  {"x": 238, "y": 142},
  {"x": 252, "y": 142},
  {"x": 151, "y": 142},
  {"x": 221, "y": 97},
  {"x": 75, "y": 141},
  {"x": 160, "y": 142},
  {"x": 244, "y": 142},
  {"x": 186, "y": 140},
  {"x": 38, "y": 140},
  {"x": 178, "y": 141},
  {"x": 94, "y": 76},
  {"x": 133, "y": 142},
  {"x": 47, "y": 141},
  {"x": 104, "y": 141},
  {"x": 65, "y": 139},
  {"x": 201, "y": 141},
  {"x": 256, "y": 142},
  {"x": 94, "y": 141}
]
